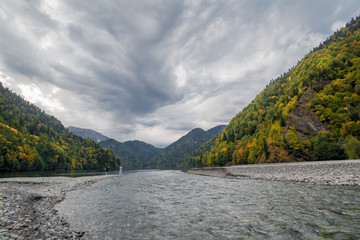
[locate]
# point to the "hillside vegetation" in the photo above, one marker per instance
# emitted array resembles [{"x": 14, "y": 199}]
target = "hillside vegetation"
[
  {"x": 311, "y": 112},
  {"x": 138, "y": 154},
  {"x": 174, "y": 154},
  {"x": 133, "y": 154},
  {"x": 30, "y": 139}
]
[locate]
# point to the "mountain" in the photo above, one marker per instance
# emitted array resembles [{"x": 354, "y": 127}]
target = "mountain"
[
  {"x": 216, "y": 130},
  {"x": 174, "y": 154},
  {"x": 193, "y": 160},
  {"x": 190, "y": 160},
  {"x": 128, "y": 159},
  {"x": 311, "y": 112},
  {"x": 142, "y": 150},
  {"x": 137, "y": 154},
  {"x": 133, "y": 154},
  {"x": 87, "y": 133},
  {"x": 30, "y": 139}
]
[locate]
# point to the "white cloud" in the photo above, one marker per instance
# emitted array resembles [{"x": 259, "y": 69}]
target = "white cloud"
[
  {"x": 33, "y": 94},
  {"x": 337, "y": 25}
]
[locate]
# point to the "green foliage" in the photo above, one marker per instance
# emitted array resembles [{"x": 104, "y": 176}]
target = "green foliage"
[
  {"x": 194, "y": 160},
  {"x": 352, "y": 147},
  {"x": 32, "y": 140},
  {"x": 326, "y": 149},
  {"x": 305, "y": 114}
]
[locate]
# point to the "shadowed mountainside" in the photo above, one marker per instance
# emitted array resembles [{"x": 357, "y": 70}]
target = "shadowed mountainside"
[
  {"x": 133, "y": 154},
  {"x": 173, "y": 155}
]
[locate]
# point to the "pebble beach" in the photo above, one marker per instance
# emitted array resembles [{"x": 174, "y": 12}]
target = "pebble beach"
[
  {"x": 341, "y": 172},
  {"x": 27, "y": 207}
]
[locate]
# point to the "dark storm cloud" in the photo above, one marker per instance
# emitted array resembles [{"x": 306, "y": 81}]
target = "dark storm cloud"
[
  {"x": 146, "y": 88},
  {"x": 152, "y": 70}
]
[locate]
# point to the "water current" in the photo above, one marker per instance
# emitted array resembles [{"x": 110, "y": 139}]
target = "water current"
[{"x": 177, "y": 205}]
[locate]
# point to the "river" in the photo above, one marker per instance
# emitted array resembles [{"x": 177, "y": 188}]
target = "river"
[{"x": 176, "y": 205}]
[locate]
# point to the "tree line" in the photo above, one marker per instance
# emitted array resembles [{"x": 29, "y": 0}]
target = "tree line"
[{"x": 30, "y": 139}]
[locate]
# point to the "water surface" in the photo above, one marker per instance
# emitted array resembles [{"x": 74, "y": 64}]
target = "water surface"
[{"x": 176, "y": 205}]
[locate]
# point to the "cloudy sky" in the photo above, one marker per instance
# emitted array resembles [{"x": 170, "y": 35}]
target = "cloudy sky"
[{"x": 153, "y": 70}]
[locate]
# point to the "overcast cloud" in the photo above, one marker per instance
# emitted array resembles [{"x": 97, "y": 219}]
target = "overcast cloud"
[{"x": 154, "y": 70}]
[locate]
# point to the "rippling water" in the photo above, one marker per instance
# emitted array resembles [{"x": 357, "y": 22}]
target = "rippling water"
[{"x": 176, "y": 205}]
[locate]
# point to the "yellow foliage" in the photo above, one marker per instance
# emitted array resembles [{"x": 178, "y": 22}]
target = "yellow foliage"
[
  {"x": 224, "y": 151},
  {"x": 73, "y": 163},
  {"x": 355, "y": 97},
  {"x": 290, "y": 106},
  {"x": 261, "y": 112},
  {"x": 12, "y": 129},
  {"x": 25, "y": 157}
]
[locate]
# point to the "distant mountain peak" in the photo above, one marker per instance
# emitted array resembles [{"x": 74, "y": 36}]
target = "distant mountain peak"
[
  {"x": 133, "y": 154},
  {"x": 174, "y": 154},
  {"x": 87, "y": 133},
  {"x": 216, "y": 130}
]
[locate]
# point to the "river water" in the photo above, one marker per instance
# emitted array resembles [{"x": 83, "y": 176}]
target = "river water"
[{"x": 177, "y": 205}]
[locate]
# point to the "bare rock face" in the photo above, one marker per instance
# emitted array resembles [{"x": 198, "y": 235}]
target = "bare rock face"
[{"x": 303, "y": 118}]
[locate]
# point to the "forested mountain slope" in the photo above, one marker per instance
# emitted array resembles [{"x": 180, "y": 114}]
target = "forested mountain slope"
[
  {"x": 174, "y": 154},
  {"x": 137, "y": 154},
  {"x": 142, "y": 150},
  {"x": 311, "y": 112},
  {"x": 128, "y": 159},
  {"x": 216, "y": 130},
  {"x": 30, "y": 139},
  {"x": 133, "y": 154}
]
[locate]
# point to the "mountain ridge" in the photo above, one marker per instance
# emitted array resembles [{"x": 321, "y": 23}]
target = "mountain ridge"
[
  {"x": 87, "y": 133},
  {"x": 216, "y": 130},
  {"x": 133, "y": 154},
  {"x": 137, "y": 154},
  {"x": 128, "y": 159},
  {"x": 174, "y": 154}
]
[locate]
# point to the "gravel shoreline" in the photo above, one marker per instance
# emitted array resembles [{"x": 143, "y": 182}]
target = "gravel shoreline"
[
  {"x": 340, "y": 172},
  {"x": 27, "y": 207}
]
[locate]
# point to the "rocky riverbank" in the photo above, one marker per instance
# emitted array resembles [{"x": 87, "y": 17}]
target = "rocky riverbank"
[
  {"x": 27, "y": 207},
  {"x": 343, "y": 172}
]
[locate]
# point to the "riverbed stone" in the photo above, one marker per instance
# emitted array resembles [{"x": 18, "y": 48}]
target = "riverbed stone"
[
  {"x": 27, "y": 207},
  {"x": 340, "y": 172}
]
